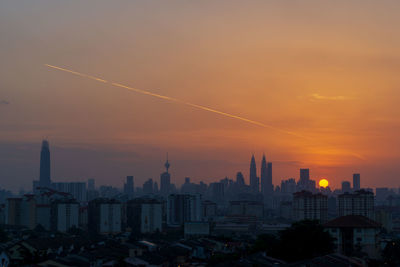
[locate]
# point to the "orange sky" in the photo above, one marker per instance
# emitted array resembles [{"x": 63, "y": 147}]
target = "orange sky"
[{"x": 326, "y": 71}]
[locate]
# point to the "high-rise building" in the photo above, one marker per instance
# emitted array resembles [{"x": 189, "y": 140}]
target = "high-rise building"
[
  {"x": 254, "y": 183},
  {"x": 305, "y": 183},
  {"x": 246, "y": 208},
  {"x": 129, "y": 186},
  {"x": 104, "y": 216},
  {"x": 183, "y": 208},
  {"x": 76, "y": 189},
  {"x": 148, "y": 187},
  {"x": 356, "y": 182},
  {"x": 144, "y": 215},
  {"x": 165, "y": 181},
  {"x": 358, "y": 203},
  {"x": 266, "y": 178},
  {"x": 44, "y": 177},
  {"x": 304, "y": 175},
  {"x": 64, "y": 214},
  {"x": 217, "y": 192},
  {"x": 91, "y": 185},
  {"x": 309, "y": 206},
  {"x": 346, "y": 187}
]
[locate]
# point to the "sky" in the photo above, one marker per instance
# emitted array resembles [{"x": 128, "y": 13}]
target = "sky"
[{"x": 326, "y": 71}]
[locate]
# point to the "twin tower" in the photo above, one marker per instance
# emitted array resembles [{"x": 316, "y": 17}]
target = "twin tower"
[{"x": 266, "y": 177}]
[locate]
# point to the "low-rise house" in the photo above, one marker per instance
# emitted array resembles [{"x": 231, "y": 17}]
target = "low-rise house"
[{"x": 355, "y": 234}]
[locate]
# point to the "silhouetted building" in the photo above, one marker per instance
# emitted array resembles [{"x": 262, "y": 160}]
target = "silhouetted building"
[
  {"x": 356, "y": 181},
  {"x": 217, "y": 192},
  {"x": 288, "y": 186},
  {"x": 165, "y": 181},
  {"x": 254, "y": 182},
  {"x": 64, "y": 215},
  {"x": 309, "y": 206},
  {"x": 246, "y": 208},
  {"x": 129, "y": 186},
  {"x": 266, "y": 178},
  {"x": 240, "y": 179},
  {"x": 355, "y": 233},
  {"x": 305, "y": 183},
  {"x": 44, "y": 178},
  {"x": 144, "y": 215},
  {"x": 358, "y": 203},
  {"x": 346, "y": 187},
  {"x": 76, "y": 189},
  {"x": 104, "y": 216},
  {"x": 209, "y": 210},
  {"x": 91, "y": 185},
  {"x": 148, "y": 187},
  {"x": 183, "y": 208}
]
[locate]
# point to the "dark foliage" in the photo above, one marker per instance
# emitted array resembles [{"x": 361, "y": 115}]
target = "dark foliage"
[
  {"x": 303, "y": 240},
  {"x": 391, "y": 253}
]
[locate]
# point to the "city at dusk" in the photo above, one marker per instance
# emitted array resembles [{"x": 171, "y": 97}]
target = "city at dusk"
[{"x": 231, "y": 126}]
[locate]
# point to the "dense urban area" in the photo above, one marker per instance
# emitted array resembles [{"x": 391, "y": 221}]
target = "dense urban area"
[{"x": 224, "y": 223}]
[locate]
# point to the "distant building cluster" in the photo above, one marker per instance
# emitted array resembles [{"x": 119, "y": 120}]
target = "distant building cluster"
[{"x": 231, "y": 207}]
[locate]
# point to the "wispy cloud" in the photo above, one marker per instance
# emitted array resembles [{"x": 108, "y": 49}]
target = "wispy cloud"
[
  {"x": 4, "y": 102},
  {"x": 316, "y": 96}
]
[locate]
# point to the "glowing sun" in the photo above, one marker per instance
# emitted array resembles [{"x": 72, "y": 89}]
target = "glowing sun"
[{"x": 323, "y": 183}]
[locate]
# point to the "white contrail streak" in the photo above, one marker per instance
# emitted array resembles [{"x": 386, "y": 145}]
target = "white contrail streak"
[
  {"x": 172, "y": 99},
  {"x": 177, "y": 101}
]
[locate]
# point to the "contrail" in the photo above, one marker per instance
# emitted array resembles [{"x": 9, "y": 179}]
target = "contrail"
[
  {"x": 172, "y": 99},
  {"x": 196, "y": 106}
]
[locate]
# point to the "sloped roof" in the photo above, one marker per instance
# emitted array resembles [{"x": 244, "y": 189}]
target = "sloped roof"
[{"x": 352, "y": 221}]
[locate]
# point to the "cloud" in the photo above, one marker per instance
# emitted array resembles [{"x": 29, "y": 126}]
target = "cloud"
[
  {"x": 315, "y": 96},
  {"x": 4, "y": 102}
]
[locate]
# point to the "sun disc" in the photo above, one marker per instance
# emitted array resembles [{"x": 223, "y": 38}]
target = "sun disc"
[{"x": 323, "y": 183}]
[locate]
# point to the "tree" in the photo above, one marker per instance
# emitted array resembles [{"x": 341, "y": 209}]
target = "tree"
[
  {"x": 303, "y": 240},
  {"x": 3, "y": 236},
  {"x": 391, "y": 253}
]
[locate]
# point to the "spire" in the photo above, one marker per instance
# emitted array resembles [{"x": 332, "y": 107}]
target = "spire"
[
  {"x": 263, "y": 162},
  {"x": 167, "y": 163}
]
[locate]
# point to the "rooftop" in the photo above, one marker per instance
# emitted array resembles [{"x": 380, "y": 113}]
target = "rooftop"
[{"x": 352, "y": 221}]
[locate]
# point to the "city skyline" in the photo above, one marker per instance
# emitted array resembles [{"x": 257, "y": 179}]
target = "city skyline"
[
  {"x": 300, "y": 68},
  {"x": 260, "y": 181}
]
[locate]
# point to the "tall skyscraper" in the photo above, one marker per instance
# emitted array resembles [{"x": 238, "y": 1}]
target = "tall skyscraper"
[
  {"x": 263, "y": 176},
  {"x": 44, "y": 178},
  {"x": 356, "y": 182},
  {"x": 165, "y": 180},
  {"x": 254, "y": 183},
  {"x": 304, "y": 175},
  {"x": 129, "y": 186},
  {"x": 266, "y": 178}
]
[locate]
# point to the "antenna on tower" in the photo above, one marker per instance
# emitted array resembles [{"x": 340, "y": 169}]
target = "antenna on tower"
[{"x": 167, "y": 163}]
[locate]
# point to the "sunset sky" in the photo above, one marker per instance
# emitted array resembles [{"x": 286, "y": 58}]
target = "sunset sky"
[{"x": 327, "y": 71}]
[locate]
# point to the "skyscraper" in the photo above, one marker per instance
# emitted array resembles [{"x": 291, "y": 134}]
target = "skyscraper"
[
  {"x": 165, "y": 180},
  {"x": 356, "y": 182},
  {"x": 254, "y": 183},
  {"x": 129, "y": 186},
  {"x": 263, "y": 176},
  {"x": 266, "y": 178},
  {"x": 305, "y": 183},
  {"x": 44, "y": 178}
]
